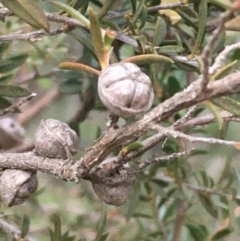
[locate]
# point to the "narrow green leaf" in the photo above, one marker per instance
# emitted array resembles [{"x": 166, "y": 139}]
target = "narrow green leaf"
[
  {"x": 142, "y": 215},
  {"x": 225, "y": 4},
  {"x": 227, "y": 69},
  {"x": 13, "y": 91},
  {"x": 102, "y": 223},
  {"x": 134, "y": 6},
  {"x": 12, "y": 62},
  {"x": 57, "y": 227},
  {"x": 3, "y": 47},
  {"x": 84, "y": 38},
  {"x": 78, "y": 67},
  {"x": 148, "y": 59},
  {"x": 167, "y": 197},
  {"x": 28, "y": 11},
  {"x": 207, "y": 181},
  {"x": 154, "y": 70},
  {"x": 143, "y": 18},
  {"x": 228, "y": 104},
  {"x": 198, "y": 232},
  {"x": 187, "y": 66},
  {"x": 133, "y": 202},
  {"x": 104, "y": 236},
  {"x": 138, "y": 11},
  {"x": 208, "y": 205},
  {"x": 178, "y": 40},
  {"x": 141, "y": 40},
  {"x": 170, "y": 210},
  {"x": 160, "y": 31},
  {"x": 18, "y": 59},
  {"x": 105, "y": 8},
  {"x": 170, "y": 49},
  {"x": 199, "y": 61},
  {"x": 73, "y": 13},
  {"x": 97, "y": 38},
  {"x": 216, "y": 113},
  {"x": 186, "y": 29},
  {"x": 4, "y": 103},
  {"x": 202, "y": 20},
  {"x": 188, "y": 15},
  {"x": 25, "y": 226},
  {"x": 220, "y": 43},
  {"x": 4, "y": 77},
  {"x": 221, "y": 234}
]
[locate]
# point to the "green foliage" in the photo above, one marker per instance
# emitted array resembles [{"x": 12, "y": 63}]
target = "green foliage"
[{"x": 167, "y": 45}]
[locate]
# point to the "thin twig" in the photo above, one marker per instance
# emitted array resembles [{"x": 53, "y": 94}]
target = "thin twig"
[
  {"x": 219, "y": 61},
  {"x": 206, "y": 54},
  {"x": 41, "y": 104},
  {"x": 180, "y": 215},
  {"x": 32, "y": 36},
  {"x": 188, "y": 116},
  {"x": 14, "y": 107},
  {"x": 178, "y": 134},
  {"x": 154, "y": 159}
]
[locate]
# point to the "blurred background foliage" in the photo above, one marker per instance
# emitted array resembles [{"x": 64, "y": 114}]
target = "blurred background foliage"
[{"x": 202, "y": 202}]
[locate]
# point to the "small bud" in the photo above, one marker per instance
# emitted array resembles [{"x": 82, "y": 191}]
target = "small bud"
[
  {"x": 116, "y": 189},
  {"x": 16, "y": 186},
  {"x": 55, "y": 139},
  {"x": 11, "y": 133},
  {"x": 125, "y": 89}
]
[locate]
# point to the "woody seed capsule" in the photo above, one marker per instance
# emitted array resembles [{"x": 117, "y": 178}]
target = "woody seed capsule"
[
  {"x": 125, "y": 90},
  {"x": 55, "y": 139}
]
